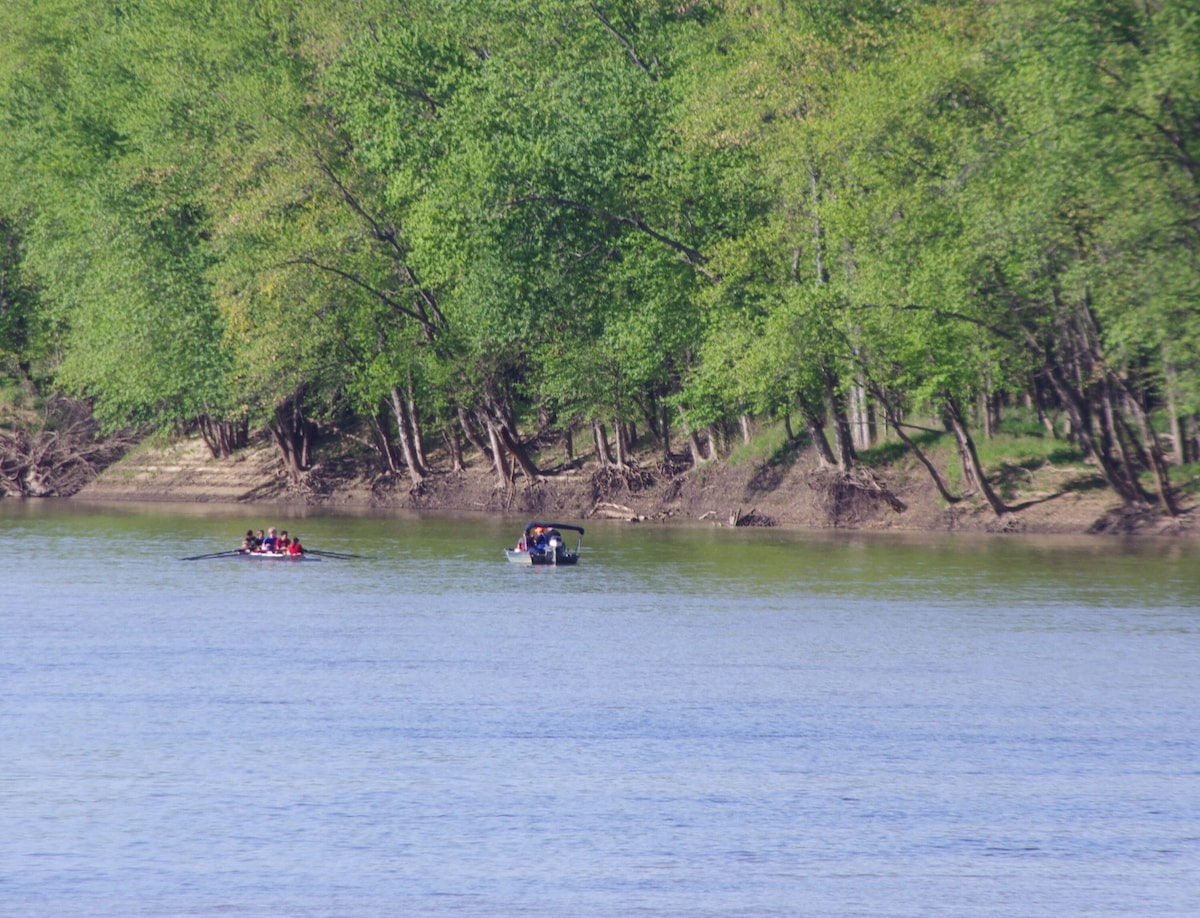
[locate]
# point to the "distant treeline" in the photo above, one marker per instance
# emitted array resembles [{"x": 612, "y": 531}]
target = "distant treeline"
[{"x": 489, "y": 220}]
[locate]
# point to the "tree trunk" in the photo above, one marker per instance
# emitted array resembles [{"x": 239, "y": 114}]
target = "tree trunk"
[
  {"x": 619, "y": 440},
  {"x": 600, "y": 439},
  {"x": 1039, "y": 403},
  {"x": 294, "y": 435},
  {"x": 499, "y": 463},
  {"x": 1178, "y": 451},
  {"x": 414, "y": 419},
  {"x": 211, "y": 435},
  {"x": 664, "y": 427},
  {"x": 473, "y": 438},
  {"x": 1076, "y": 409},
  {"x": 627, "y": 437},
  {"x": 846, "y": 456},
  {"x": 893, "y": 417},
  {"x": 859, "y": 418},
  {"x": 454, "y": 445},
  {"x": 966, "y": 447},
  {"x": 546, "y": 421},
  {"x": 693, "y": 441},
  {"x": 416, "y": 471},
  {"x": 383, "y": 443},
  {"x": 1111, "y": 437},
  {"x": 816, "y": 433},
  {"x": 1154, "y": 453},
  {"x": 519, "y": 454},
  {"x": 223, "y": 437}
]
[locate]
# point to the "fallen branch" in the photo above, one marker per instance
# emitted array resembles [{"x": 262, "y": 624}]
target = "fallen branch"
[
  {"x": 751, "y": 519},
  {"x": 609, "y": 511},
  {"x": 58, "y": 454}
]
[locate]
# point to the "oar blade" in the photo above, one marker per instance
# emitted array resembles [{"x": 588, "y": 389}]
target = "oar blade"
[{"x": 336, "y": 554}]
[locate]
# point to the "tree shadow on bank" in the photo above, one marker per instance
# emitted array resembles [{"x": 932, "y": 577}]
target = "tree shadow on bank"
[
  {"x": 1013, "y": 475},
  {"x": 891, "y": 452},
  {"x": 769, "y": 473}
]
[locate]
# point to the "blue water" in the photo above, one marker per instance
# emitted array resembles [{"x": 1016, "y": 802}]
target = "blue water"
[{"x": 691, "y": 722}]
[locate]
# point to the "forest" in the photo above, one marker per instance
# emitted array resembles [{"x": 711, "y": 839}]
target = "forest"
[{"x": 489, "y": 222}]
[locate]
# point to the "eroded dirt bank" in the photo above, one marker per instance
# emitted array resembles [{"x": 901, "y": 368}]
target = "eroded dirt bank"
[{"x": 791, "y": 493}]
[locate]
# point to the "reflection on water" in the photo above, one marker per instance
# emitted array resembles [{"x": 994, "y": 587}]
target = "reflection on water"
[{"x": 691, "y": 722}]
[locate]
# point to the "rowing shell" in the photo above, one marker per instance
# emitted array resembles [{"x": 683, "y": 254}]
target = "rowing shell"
[{"x": 273, "y": 556}]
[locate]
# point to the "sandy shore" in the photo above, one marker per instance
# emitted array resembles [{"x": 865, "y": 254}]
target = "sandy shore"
[{"x": 799, "y": 494}]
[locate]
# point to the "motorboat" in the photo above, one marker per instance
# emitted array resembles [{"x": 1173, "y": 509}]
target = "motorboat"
[{"x": 543, "y": 543}]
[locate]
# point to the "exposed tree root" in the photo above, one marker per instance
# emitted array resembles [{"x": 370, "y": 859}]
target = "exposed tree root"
[
  {"x": 851, "y": 498},
  {"x": 58, "y": 454},
  {"x": 610, "y": 481}
]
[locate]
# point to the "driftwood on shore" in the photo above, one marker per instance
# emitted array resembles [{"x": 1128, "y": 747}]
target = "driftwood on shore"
[
  {"x": 751, "y": 519},
  {"x": 609, "y": 511}
]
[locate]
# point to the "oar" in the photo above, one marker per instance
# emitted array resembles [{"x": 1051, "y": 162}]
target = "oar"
[
  {"x": 216, "y": 554},
  {"x": 335, "y": 554}
]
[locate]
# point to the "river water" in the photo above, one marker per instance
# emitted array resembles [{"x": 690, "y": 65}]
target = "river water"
[{"x": 692, "y": 722}]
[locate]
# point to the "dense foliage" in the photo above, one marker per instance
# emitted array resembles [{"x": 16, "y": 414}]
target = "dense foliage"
[{"x": 500, "y": 219}]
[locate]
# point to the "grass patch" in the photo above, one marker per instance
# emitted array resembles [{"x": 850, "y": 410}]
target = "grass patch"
[
  {"x": 769, "y": 443},
  {"x": 892, "y": 450},
  {"x": 1023, "y": 425},
  {"x": 1027, "y": 452},
  {"x": 18, "y": 406},
  {"x": 1186, "y": 478},
  {"x": 155, "y": 441}
]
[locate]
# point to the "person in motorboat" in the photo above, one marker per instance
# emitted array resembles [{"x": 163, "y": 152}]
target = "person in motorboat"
[
  {"x": 529, "y": 539},
  {"x": 543, "y": 543}
]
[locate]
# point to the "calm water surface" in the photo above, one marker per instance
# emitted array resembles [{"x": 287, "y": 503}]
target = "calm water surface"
[{"x": 692, "y": 722}]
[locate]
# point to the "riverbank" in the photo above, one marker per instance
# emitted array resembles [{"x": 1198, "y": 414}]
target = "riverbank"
[{"x": 779, "y": 489}]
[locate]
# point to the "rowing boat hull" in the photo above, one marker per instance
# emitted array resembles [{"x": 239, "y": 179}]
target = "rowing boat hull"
[
  {"x": 274, "y": 556},
  {"x": 516, "y": 556}
]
